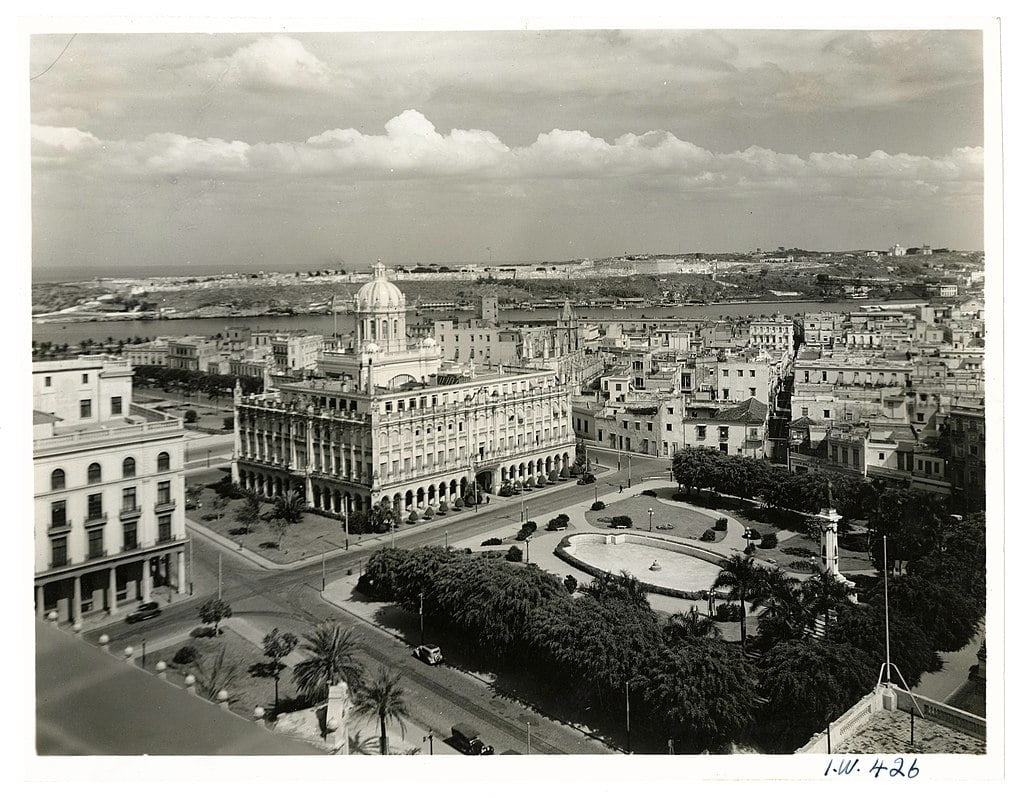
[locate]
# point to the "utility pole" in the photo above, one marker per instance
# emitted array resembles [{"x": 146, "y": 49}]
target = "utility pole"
[
  {"x": 220, "y": 576},
  {"x": 190, "y": 571},
  {"x": 629, "y": 747},
  {"x": 629, "y": 470},
  {"x": 421, "y": 618},
  {"x": 323, "y": 568},
  {"x": 528, "y": 737}
]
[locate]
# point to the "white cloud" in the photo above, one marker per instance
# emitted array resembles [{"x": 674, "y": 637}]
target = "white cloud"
[
  {"x": 270, "y": 63},
  {"x": 411, "y": 147}
]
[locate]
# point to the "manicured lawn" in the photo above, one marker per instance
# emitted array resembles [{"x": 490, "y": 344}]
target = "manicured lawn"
[
  {"x": 686, "y": 522},
  {"x": 248, "y": 692},
  {"x": 312, "y": 535}
]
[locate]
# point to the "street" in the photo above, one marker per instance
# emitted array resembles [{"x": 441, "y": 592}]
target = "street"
[{"x": 290, "y": 599}]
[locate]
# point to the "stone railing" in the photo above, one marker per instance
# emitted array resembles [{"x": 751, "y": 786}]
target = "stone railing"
[
  {"x": 845, "y": 726},
  {"x": 943, "y": 714}
]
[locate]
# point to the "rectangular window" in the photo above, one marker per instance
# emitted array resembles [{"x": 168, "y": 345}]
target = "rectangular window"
[
  {"x": 95, "y": 505},
  {"x": 702, "y": 432},
  {"x": 650, "y": 427},
  {"x": 85, "y": 379},
  {"x": 725, "y": 372},
  {"x": 163, "y": 492},
  {"x": 669, "y": 427},
  {"x": 803, "y": 410},
  {"x": 128, "y": 499},
  {"x": 163, "y": 529},
  {"x": 59, "y": 551},
  {"x": 85, "y": 408},
  {"x": 881, "y": 455},
  {"x": 920, "y": 416},
  {"x": 752, "y": 374},
  {"x": 856, "y": 457},
  {"x": 827, "y": 413},
  {"x": 739, "y": 372},
  {"x": 95, "y": 543},
  {"x": 131, "y": 535},
  {"x": 58, "y": 513},
  {"x": 724, "y": 448},
  {"x": 48, "y": 381},
  {"x": 846, "y": 456},
  {"x": 753, "y": 391},
  {"x": 670, "y": 411},
  {"x": 723, "y": 433},
  {"x": 725, "y": 393},
  {"x": 115, "y": 405},
  {"x": 388, "y": 407}
]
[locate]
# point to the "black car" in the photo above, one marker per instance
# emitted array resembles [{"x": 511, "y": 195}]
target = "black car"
[
  {"x": 145, "y": 611},
  {"x": 467, "y": 740}
]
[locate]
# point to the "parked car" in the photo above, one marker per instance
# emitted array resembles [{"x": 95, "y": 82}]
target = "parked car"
[
  {"x": 428, "y": 654},
  {"x": 467, "y": 740},
  {"x": 586, "y": 479},
  {"x": 145, "y": 611}
]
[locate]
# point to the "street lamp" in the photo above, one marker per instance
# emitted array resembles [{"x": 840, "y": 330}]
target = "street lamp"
[
  {"x": 629, "y": 747},
  {"x": 629, "y": 470},
  {"x": 430, "y": 737},
  {"x": 528, "y": 737},
  {"x": 527, "y": 541},
  {"x": 421, "y": 618},
  {"x": 391, "y": 528},
  {"x": 650, "y": 519}
]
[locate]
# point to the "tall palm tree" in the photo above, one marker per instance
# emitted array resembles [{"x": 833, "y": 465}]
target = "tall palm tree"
[
  {"x": 691, "y": 625},
  {"x": 385, "y": 698},
  {"x": 740, "y": 574},
  {"x": 783, "y": 616},
  {"x": 822, "y": 594},
  {"x": 331, "y": 660}
]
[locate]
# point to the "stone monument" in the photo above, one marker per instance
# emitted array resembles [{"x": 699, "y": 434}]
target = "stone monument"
[
  {"x": 830, "y": 542},
  {"x": 339, "y": 706}
]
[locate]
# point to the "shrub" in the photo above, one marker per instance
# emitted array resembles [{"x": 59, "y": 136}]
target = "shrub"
[
  {"x": 803, "y": 567},
  {"x": 229, "y": 423},
  {"x": 679, "y": 497},
  {"x": 470, "y": 500},
  {"x": 413, "y": 517},
  {"x": 492, "y": 542},
  {"x": 750, "y": 549},
  {"x": 459, "y": 504},
  {"x": 442, "y": 508},
  {"x": 541, "y": 481},
  {"x": 531, "y": 483},
  {"x": 552, "y": 475},
  {"x": 769, "y": 540},
  {"x": 428, "y": 513},
  {"x": 185, "y": 655},
  {"x": 191, "y": 416},
  {"x": 854, "y": 542},
  {"x": 597, "y": 506},
  {"x": 622, "y": 521},
  {"x": 721, "y": 524},
  {"x": 797, "y": 551},
  {"x": 558, "y": 522},
  {"x": 708, "y": 536},
  {"x": 515, "y": 554},
  {"x": 570, "y": 583},
  {"x": 526, "y": 530},
  {"x": 505, "y": 490},
  {"x": 648, "y": 492}
]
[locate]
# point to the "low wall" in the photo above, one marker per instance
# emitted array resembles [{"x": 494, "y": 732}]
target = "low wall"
[
  {"x": 845, "y": 726},
  {"x": 943, "y": 714},
  {"x": 650, "y": 541}
]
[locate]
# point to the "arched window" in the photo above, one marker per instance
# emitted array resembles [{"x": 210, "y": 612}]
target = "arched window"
[
  {"x": 128, "y": 467},
  {"x": 395, "y": 323},
  {"x": 373, "y": 329},
  {"x": 57, "y": 479},
  {"x": 163, "y": 462},
  {"x": 95, "y": 473}
]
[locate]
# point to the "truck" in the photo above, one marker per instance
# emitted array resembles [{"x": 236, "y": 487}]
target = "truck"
[{"x": 467, "y": 740}]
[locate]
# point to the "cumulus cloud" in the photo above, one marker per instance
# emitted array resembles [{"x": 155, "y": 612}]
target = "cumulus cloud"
[
  {"x": 411, "y": 147},
  {"x": 270, "y": 63}
]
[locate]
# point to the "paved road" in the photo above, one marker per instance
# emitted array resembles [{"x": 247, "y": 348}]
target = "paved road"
[{"x": 441, "y": 695}]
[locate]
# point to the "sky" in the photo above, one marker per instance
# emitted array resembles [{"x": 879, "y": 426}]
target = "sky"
[{"x": 182, "y": 153}]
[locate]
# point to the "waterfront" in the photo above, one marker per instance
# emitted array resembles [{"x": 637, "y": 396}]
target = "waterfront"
[{"x": 55, "y": 332}]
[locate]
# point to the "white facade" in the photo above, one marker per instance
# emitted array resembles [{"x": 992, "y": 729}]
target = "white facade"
[{"x": 109, "y": 494}]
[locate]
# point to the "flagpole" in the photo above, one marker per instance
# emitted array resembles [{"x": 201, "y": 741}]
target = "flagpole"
[{"x": 885, "y": 581}]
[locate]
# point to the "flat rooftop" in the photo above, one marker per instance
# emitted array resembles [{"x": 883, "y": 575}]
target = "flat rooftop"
[{"x": 889, "y": 732}]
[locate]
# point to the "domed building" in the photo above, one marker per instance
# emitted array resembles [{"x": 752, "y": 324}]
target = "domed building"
[{"x": 388, "y": 423}]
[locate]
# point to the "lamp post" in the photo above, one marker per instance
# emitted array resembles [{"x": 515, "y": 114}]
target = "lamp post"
[
  {"x": 527, "y": 542},
  {"x": 650, "y": 519},
  {"x": 421, "y": 618},
  {"x": 430, "y": 737},
  {"x": 527, "y": 738},
  {"x": 629, "y": 470},
  {"x": 629, "y": 747},
  {"x": 391, "y": 528},
  {"x": 446, "y": 539}
]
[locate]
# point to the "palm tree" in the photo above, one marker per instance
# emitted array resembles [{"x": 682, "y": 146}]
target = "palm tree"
[
  {"x": 290, "y": 506},
  {"x": 357, "y": 744},
  {"x": 691, "y": 625},
  {"x": 741, "y": 575},
  {"x": 783, "y": 616},
  {"x": 385, "y": 698},
  {"x": 331, "y": 660},
  {"x": 822, "y": 594}
]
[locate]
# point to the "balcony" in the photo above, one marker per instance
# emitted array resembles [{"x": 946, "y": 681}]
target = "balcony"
[
  {"x": 128, "y": 513},
  {"x": 164, "y": 506},
  {"x": 96, "y": 519},
  {"x": 61, "y": 527}
]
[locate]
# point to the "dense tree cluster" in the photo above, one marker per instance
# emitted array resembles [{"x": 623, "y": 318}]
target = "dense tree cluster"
[
  {"x": 192, "y": 382},
  {"x": 778, "y": 488}
]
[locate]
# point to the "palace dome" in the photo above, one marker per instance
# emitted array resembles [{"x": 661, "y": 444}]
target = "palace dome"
[{"x": 380, "y": 293}]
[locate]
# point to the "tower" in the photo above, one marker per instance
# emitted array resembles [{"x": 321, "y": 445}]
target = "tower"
[{"x": 380, "y": 314}]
